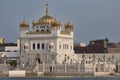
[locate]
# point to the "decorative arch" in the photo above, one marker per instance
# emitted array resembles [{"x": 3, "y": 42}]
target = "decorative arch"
[{"x": 38, "y": 58}]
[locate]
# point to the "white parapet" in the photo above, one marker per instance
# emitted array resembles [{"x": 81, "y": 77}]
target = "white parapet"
[
  {"x": 101, "y": 73},
  {"x": 40, "y": 73},
  {"x": 17, "y": 73}
]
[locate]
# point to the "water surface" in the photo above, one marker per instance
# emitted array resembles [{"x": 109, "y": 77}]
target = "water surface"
[{"x": 61, "y": 78}]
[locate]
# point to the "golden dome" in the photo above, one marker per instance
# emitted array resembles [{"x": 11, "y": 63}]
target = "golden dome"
[
  {"x": 24, "y": 23},
  {"x": 56, "y": 23},
  {"x": 46, "y": 20}
]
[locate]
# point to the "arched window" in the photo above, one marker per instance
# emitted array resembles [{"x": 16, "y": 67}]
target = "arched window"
[
  {"x": 71, "y": 47},
  {"x": 38, "y": 46},
  {"x": 67, "y": 46},
  {"x": 33, "y": 45},
  {"x": 42, "y": 30},
  {"x": 63, "y": 46},
  {"x": 42, "y": 26},
  {"x": 47, "y": 26},
  {"x": 60, "y": 46},
  {"x": 25, "y": 47},
  {"x": 50, "y": 46},
  {"x": 43, "y": 45},
  {"x": 37, "y": 30},
  {"x": 47, "y": 30}
]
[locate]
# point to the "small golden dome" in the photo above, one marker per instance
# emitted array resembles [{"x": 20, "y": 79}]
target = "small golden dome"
[
  {"x": 24, "y": 23},
  {"x": 69, "y": 25}
]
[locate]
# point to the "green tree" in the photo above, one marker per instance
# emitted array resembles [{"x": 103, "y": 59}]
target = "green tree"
[{"x": 13, "y": 63}]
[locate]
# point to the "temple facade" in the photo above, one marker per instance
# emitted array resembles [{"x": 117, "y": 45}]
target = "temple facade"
[{"x": 46, "y": 42}]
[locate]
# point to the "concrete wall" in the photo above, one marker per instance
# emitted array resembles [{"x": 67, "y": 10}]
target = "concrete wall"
[
  {"x": 17, "y": 73},
  {"x": 100, "y": 55},
  {"x": 101, "y": 73}
]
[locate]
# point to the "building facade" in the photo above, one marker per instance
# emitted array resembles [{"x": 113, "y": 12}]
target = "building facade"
[
  {"x": 114, "y": 47},
  {"x": 9, "y": 52},
  {"x": 46, "y": 42}
]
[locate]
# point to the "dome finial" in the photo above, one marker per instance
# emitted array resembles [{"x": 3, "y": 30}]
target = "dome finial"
[
  {"x": 55, "y": 16},
  {"x": 69, "y": 21},
  {"x": 47, "y": 8},
  {"x": 24, "y": 17}
]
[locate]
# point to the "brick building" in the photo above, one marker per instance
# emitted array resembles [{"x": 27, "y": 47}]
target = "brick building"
[
  {"x": 95, "y": 46},
  {"x": 114, "y": 47}
]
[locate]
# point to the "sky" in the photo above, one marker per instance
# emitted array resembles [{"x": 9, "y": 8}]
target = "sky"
[{"x": 92, "y": 19}]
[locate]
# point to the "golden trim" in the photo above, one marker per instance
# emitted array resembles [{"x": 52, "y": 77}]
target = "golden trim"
[
  {"x": 65, "y": 32},
  {"x": 38, "y": 33}
]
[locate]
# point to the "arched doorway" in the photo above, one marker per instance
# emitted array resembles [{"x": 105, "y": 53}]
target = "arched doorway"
[{"x": 38, "y": 58}]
